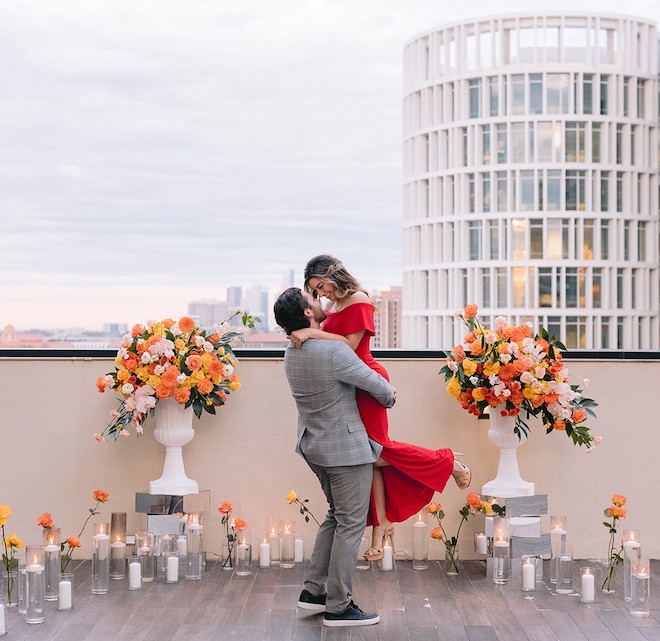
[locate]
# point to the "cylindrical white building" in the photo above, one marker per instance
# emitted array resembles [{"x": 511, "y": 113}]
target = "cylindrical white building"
[{"x": 531, "y": 178}]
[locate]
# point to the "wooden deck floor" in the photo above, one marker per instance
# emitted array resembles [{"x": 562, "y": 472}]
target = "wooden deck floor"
[{"x": 413, "y": 605}]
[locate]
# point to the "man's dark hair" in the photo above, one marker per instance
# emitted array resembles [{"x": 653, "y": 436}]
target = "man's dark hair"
[{"x": 289, "y": 309}]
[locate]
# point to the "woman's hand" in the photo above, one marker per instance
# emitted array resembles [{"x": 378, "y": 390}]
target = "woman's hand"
[{"x": 300, "y": 336}]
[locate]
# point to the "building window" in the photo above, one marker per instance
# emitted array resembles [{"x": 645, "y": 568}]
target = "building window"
[
  {"x": 518, "y": 94},
  {"x": 502, "y": 281},
  {"x": 485, "y": 287},
  {"x": 574, "y": 146},
  {"x": 595, "y": 141},
  {"x": 494, "y": 95},
  {"x": 604, "y": 192},
  {"x": 536, "y": 238},
  {"x": 494, "y": 239},
  {"x": 588, "y": 239},
  {"x": 588, "y": 93},
  {"x": 619, "y": 144},
  {"x": 502, "y": 191},
  {"x": 518, "y": 239},
  {"x": 557, "y": 93},
  {"x": 619, "y": 288},
  {"x": 619, "y": 191},
  {"x": 641, "y": 242},
  {"x": 597, "y": 288},
  {"x": 475, "y": 98},
  {"x": 518, "y": 142},
  {"x": 575, "y": 190},
  {"x": 485, "y": 193},
  {"x": 604, "y": 102},
  {"x": 626, "y": 97},
  {"x": 485, "y": 144},
  {"x": 471, "y": 194},
  {"x": 557, "y": 239},
  {"x": 545, "y": 287},
  {"x": 545, "y": 141},
  {"x": 604, "y": 239},
  {"x": 475, "y": 240},
  {"x": 605, "y": 332},
  {"x": 519, "y": 281},
  {"x": 527, "y": 190},
  {"x": 501, "y": 144},
  {"x": 535, "y": 93},
  {"x": 553, "y": 190},
  {"x": 641, "y": 98}
]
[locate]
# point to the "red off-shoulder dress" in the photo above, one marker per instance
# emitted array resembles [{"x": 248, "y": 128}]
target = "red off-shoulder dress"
[{"x": 414, "y": 473}]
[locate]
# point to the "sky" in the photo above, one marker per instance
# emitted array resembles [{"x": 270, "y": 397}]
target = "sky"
[{"x": 154, "y": 152}]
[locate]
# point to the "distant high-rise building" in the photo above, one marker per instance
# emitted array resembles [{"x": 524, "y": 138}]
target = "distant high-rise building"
[
  {"x": 531, "y": 178},
  {"x": 388, "y": 318},
  {"x": 234, "y": 300},
  {"x": 208, "y": 313},
  {"x": 256, "y": 302}
]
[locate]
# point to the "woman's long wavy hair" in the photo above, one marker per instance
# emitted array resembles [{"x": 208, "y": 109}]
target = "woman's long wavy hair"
[{"x": 332, "y": 270}]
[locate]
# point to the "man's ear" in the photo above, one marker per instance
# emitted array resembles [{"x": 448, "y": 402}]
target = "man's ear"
[{"x": 308, "y": 313}]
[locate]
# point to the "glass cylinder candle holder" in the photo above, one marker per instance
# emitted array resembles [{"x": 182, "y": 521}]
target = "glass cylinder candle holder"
[
  {"x": 564, "y": 579},
  {"x": 288, "y": 544},
  {"x": 182, "y": 545},
  {"x": 35, "y": 584},
  {"x": 528, "y": 565},
  {"x": 632, "y": 550},
  {"x": 387, "y": 562},
  {"x": 420, "y": 542},
  {"x": 166, "y": 547},
  {"x": 65, "y": 591},
  {"x": 273, "y": 537},
  {"x": 640, "y": 587},
  {"x": 135, "y": 573},
  {"x": 117, "y": 560},
  {"x": 588, "y": 581},
  {"x": 362, "y": 563},
  {"x": 52, "y": 550},
  {"x": 501, "y": 550},
  {"x": 118, "y": 526},
  {"x": 101, "y": 559},
  {"x": 3, "y": 614},
  {"x": 194, "y": 555},
  {"x": 264, "y": 553},
  {"x": 21, "y": 578},
  {"x": 558, "y": 534},
  {"x": 144, "y": 548},
  {"x": 243, "y": 555}
]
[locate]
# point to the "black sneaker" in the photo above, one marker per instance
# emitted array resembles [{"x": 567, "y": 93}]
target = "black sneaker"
[
  {"x": 308, "y": 601},
  {"x": 352, "y": 615}
]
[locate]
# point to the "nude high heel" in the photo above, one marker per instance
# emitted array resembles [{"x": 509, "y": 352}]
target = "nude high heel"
[
  {"x": 462, "y": 475},
  {"x": 381, "y": 533}
]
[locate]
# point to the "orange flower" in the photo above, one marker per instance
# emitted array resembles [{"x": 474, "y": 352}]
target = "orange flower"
[
  {"x": 475, "y": 348},
  {"x": 205, "y": 386},
  {"x": 100, "y": 384},
  {"x": 240, "y": 525},
  {"x": 474, "y": 501},
  {"x": 163, "y": 391},
  {"x": 186, "y": 324},
  {"x": 194, "y": 362},
  {"x": 182, "y": 395},
  {"x": 433, "y": 508},
  {"x": 45, "y": 520},
  {"x": 617, "y": 512},
  {"x": 167, "y": 322},
  {"x": 619, "y": 500},
  {"x": 507, "y": 372},
  {"x": 215, "y": 368},
  {"x": 170, "y": 375},
  {"x": 100, "y": 496},
  {"x": 234, "y": 383},
  {"x": 137, "y": 330},
  {"x": 579, "y": 415},
  {"x": 470, "y": 311},
  {"x": 73, "y": 541},
  {"x": 225, "y": 507},
  {"x": 559, "y": 425},
  {"x": 436, "y": 533}
]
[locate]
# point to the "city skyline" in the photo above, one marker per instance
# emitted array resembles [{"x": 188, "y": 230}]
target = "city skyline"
[{"x": 154, "y": 155}]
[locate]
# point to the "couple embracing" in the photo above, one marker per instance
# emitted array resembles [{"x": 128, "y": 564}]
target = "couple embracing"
[{"x": 342, "y": 395}]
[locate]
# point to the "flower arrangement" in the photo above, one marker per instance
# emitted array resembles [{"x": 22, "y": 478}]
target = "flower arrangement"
[
  {"x": 171, "y": 359},
  {"x": 67, "y": 547},
  {"x": 473, "y": 505},
  {"x": 292, "y": 497},
  {"x": 615, "y": 512},
  {"x": 232, "y": 527},
  {"x": 508, "y": 370},
  {"x": 10, "y": 544}
]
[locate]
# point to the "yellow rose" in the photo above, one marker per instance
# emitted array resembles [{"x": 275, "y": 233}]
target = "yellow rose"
[
  {"x": 234, "y": 386},
  {"x": 123, "y": 375},
  {"x": 179, "y": 344},
  {"x": 158, "y": 329},
  {"x": 454, "y": 387},
  {"x": 13, "y": 541},
  {"x": 469, "y": 366},
  {"x": 5, "y": 513},
  {"x": 291, "y": 496},
  {"x": 197, "y": 376},
  {"x": 491, "y": 368},
  {"x": 206, "y": 359},
  {"x": 154, "y": 381},
  {"x": 528, "y": 392},
  {"x": 142, "y": 373},
  {"x": 221, "y": 351},
  {"x": 479, "y": 394}
]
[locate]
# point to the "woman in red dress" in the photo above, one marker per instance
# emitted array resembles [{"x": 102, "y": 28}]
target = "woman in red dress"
[{"x": 405, "y": 476}]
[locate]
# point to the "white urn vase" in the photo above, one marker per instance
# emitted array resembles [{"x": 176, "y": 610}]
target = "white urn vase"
[
  {"x": 173, "y": 430},
  {"x": 508, "y": 481}
]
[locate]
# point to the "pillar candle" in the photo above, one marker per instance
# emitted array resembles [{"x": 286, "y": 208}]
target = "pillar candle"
[
  {"x": 134, "y": 575},
  {"x": 482, "y": 543},
  {"x": 64, "y": 595},
  {"x": 300, "y": 551},
  {"x": 528, "y": 576},
  {"x": 264, "y": 555},
  {"x": 588, "y": 589},
  {"x": 3, "y": 625},
  {"x": 387, "y": 562},
  {"x": 172, "y": 569}
]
